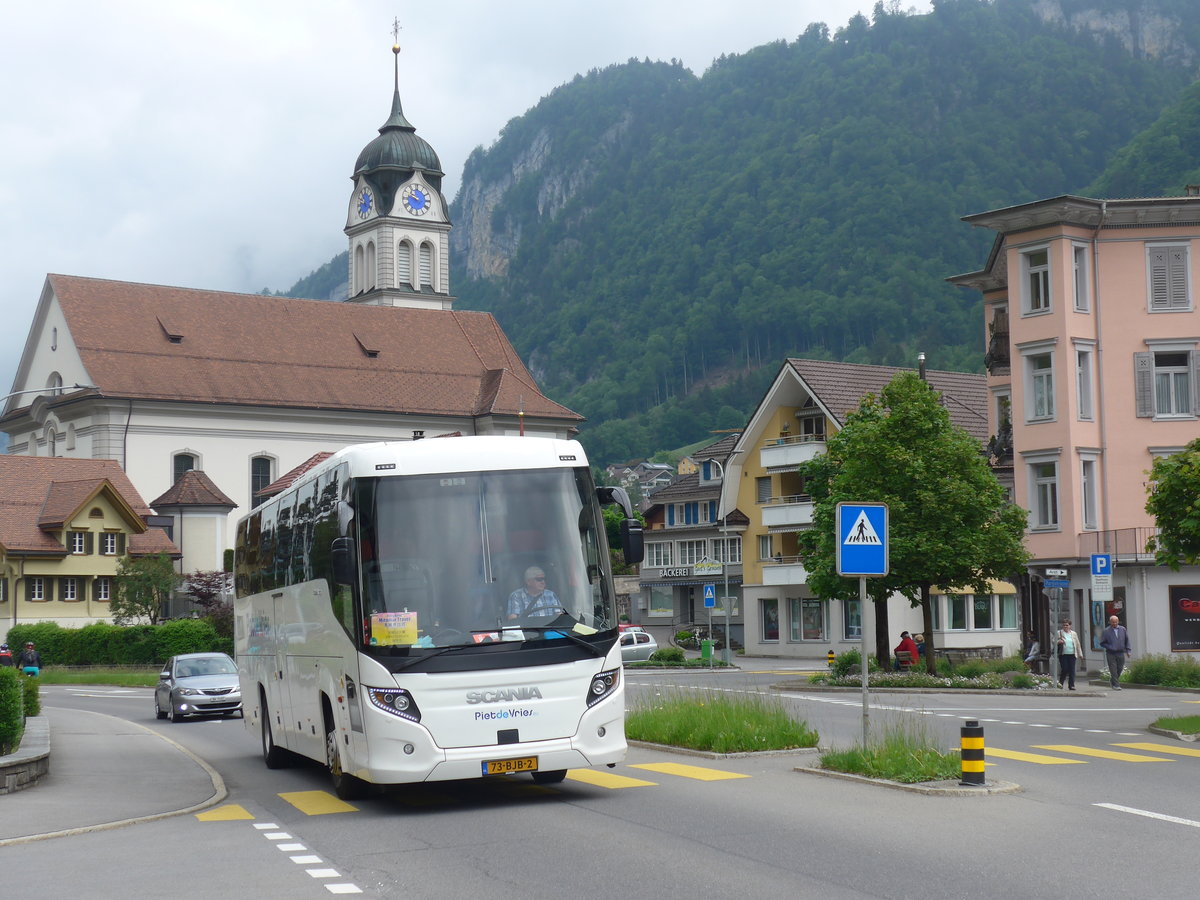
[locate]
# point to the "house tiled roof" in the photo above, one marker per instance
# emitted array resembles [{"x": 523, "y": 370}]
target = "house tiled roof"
[
  {"x": 39, "y": 493},
  {"x": 145, "y": 341},
  {"x": 841, "y": 387},
  {"x": 717, "y": 450},
  {"x": 193, "y": 488}
]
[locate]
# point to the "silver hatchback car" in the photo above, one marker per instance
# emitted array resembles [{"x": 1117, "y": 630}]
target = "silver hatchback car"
[{"x": 197, "y": 684}]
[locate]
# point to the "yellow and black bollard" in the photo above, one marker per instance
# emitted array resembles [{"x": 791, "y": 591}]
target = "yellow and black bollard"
[
  {"x": 972, "y": 754},
  {"x": 830, "y": 657}
]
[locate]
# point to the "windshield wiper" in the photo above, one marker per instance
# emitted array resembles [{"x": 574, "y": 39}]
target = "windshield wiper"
[
  {"x": 427, "y": 656},
  {"x": 564, "y": 632}
]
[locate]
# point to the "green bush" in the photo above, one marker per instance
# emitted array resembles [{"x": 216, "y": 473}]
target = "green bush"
[
  {"x": 12, "y": 710},
  {"x": 667, "y": 655},
  {"x": 843, "y": 663},
  {"x": 687, "y": 639},
  {"x": 104, "y": 644},
  {"x": 33, "y": 700},
  {"x": 1165, "y": 671}
]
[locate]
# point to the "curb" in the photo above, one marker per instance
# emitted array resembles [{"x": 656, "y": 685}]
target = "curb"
[
  {"x": 709, "y": 754},
  {"x": 31, "y": 762},
  {"x": 938, "y": 788},
  {"x": 1178, "y": 735}
]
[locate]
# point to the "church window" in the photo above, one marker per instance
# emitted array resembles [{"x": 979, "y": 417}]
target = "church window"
[
  {"x": 260, "y": 476},
  {"x": 54, "y": 384},
  {"x": 183, "y": 462},
  {"x": 426, "y": 265},
  {"x": 358, "y": 269},
  {"x": 404, "y": 264},
  {"x": 371, "y": 277}
]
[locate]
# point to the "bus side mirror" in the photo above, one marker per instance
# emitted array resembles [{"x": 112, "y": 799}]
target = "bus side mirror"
[
  {"x": 342, "y": 559},
  {"x": 631, "y": 541}
]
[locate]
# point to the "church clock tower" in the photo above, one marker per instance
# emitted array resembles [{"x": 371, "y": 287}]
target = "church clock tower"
[{"x": 397, "y": 223}]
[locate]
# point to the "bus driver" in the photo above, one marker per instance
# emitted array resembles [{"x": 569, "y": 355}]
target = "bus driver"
[{"x": 534, "y": 599}]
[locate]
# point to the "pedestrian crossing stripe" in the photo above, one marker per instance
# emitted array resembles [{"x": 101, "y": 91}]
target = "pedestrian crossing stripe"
[
  {"x": 609, "y": 780},
  {"x": 696, "y": 772},
  {"x": 1034, "y": 757},
  {"x": 862, "y": 533},
  {"x": 230, "y": 812},
  {"x": 1162, "y": 748},
  {"x": 1102, "y": 754}
]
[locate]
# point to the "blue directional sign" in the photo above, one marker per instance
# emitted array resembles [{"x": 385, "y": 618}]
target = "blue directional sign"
[
  {"x": 862, "y": 539},
  {"x": 710, "y": 596}
]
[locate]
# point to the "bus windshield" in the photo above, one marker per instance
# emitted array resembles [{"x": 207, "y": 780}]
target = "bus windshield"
[{"x": 473, "y": 558}]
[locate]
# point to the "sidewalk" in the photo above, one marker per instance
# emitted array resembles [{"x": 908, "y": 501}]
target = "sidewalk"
[{"x": 105, "y": 772}]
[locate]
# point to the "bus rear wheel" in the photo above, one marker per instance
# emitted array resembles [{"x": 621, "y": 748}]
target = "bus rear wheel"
[
  {"x": 345, "y": 785},
  {"x": 273, "y": 756}
]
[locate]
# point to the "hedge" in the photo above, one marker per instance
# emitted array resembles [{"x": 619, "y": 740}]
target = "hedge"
[
  {"x": 103, "y": 644},
  {"x": 12, "y": 709}
]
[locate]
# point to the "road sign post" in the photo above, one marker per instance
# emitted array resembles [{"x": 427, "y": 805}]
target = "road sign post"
[
  {"x": 710, "y": 600},
  {"x": 862, "y": 550}
]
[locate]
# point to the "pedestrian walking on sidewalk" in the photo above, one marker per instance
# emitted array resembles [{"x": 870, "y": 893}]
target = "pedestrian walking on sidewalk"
[
  {"x": 1115, "y": 641},
  {"x": 1069, "y": 650}
]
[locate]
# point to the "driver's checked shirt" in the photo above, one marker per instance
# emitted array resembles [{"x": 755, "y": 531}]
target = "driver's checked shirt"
[{"x": 521, "y": 603}]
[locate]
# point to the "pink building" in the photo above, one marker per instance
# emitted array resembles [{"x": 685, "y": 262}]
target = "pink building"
[{"x": 1093, "y": 363}]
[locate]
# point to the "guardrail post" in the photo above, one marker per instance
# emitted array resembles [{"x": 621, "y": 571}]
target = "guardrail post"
[
  {"x": 830, "y": 658},
  {"x": 972, "y": 754}
]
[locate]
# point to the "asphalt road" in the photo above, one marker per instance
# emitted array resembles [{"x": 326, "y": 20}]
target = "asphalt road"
[{"x": 666, "y": 824}]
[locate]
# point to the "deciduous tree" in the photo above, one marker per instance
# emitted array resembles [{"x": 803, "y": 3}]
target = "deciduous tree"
[
  {"x": 143, "y": 586},
  {"x": 950, "y": 523},
  {"x": 1174, "y": 501}
]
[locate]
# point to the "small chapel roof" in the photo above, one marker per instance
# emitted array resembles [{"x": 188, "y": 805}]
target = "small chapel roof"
[{"x": 154, "y": 342}]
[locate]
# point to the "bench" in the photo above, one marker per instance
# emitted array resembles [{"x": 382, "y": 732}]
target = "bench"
[{"x": 904, "y": 660}]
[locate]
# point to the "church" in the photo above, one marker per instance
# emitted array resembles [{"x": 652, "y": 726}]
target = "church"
[{"x": 204, "y": 398}]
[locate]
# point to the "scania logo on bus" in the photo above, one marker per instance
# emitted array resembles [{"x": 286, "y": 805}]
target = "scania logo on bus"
[{"x": 504, "y": 695}]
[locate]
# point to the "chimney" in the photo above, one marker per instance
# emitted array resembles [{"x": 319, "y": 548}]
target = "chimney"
[{"x": 921, "y": 365}]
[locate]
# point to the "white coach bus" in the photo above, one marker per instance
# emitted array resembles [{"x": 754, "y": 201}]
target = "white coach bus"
[{"x": 432, "y": 610}]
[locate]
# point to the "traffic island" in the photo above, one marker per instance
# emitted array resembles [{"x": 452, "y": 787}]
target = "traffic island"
[
  {"x": 31, "y": 762},
  {"x": 947, "y": 788}
]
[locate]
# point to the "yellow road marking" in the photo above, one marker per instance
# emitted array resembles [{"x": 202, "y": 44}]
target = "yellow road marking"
[
  {"x": 317, "y": 803},
  {"x": 605, "y": 779},
  {"x": 1103, "y": 754},
  {"x": 1162, "y": 748},
  {"x": 227, "y": 813},
  {"x": 1034, "y": 757},
  {"x": 696, "y": 772}
]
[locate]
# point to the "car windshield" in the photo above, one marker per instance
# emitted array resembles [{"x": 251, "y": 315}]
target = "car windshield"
[
  {"x": 214, "y": 665},
  {"x": 448, "y": 560}
]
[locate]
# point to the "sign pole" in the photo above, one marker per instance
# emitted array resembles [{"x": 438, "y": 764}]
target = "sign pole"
[{"x": 862, "y": 656}]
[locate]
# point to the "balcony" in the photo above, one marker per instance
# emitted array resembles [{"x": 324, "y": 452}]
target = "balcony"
[
  {"x": 1127, "y": 545},
  {"x": 784, "y": 570},
  {"x": 790, "y": 451},
  {"x": 796, "y": 510}
]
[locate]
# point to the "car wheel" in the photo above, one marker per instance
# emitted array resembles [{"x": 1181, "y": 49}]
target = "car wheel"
[
  {"x": 552, "y": 777},
  {"x": 274, "y": 757},
  {"x": 158, "y": 713},
  {"x": 173, "y": 714},
  {"x": 345, "y": 785}
]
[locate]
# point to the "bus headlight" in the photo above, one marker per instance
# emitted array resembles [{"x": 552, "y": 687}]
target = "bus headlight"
[
  {"x": 396, "y": 701},
  {"x": 602, "y": 685}
]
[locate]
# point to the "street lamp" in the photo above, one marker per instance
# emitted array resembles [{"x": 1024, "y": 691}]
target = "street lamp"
[{"x": 725, "y": 656}]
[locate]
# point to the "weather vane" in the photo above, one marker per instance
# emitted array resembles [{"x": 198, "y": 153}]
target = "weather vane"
[{"x": 396, "y": 35}]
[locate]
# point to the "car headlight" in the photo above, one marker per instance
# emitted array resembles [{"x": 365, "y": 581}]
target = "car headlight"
[{"x": 189, "y": 692}]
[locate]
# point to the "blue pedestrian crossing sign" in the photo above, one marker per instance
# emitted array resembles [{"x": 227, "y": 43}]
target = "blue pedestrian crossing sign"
[
  {"x": 710, "y": 596},
  {"x": 862, "y": 539}
]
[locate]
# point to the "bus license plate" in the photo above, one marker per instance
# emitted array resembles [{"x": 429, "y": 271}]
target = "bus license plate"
[{"x": 504, "y": 766}]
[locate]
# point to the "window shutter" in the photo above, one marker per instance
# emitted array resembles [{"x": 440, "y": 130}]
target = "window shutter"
[
  {"x": 1194, "y": 366},
  {"x": 28, "y": 589},
  {"x": 425, "y": 262},
  {"x": 121, "y": 544},
  {"x": 1158, "y": 278},
  {"x": 1177, "y": 277},
  {"x": 95, "y": 589},
  {"x": 712, "y": 510},
  {"x": 89, "y": 543},
  {"x": 671, "y": 514},
  {"x": 1143, "y": 384},
  {"x": 404, "y": 263}
]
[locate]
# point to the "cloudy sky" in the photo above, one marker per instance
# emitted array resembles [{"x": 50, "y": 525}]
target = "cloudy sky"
[{"x": 209, "y": 143}]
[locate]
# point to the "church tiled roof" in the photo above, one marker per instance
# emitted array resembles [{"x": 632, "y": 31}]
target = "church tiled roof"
[
  {"x": 193, "y": 488},
  {"x": 144, "y": 341}
]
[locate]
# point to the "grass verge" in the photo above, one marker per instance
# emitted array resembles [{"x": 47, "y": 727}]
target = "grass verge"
[
  {"x": 119, "y": 677},
  {"x": 1182, "y": 724},
  {"x": 903, "y": 752},
  {"x": 719, "y": 724}
]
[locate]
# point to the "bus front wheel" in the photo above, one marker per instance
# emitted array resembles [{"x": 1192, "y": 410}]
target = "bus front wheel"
[
  {"x": 345, "y": 785},
  {"x": 552, "y": 777}
]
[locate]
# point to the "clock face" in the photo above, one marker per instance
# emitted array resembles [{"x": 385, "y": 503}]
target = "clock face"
[
  {"x": 416, "y": 200},
  {"x": 365, "y": 202}
]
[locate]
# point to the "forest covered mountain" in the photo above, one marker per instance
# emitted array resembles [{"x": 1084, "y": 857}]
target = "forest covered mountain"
[{"x": 655, "y": 242}]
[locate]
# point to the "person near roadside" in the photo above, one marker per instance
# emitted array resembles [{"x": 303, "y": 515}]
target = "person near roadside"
[
  {"x": 1069, "y": 651},
  {"x": 534, "y": 599},
  {"x": 909, "y": 646},
  {"x": 1115, "y": 641},
  {"x": 31, "y": 661},
  {"x": 1032, "y": 651},
  {"x": 6, "y": 658}
]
